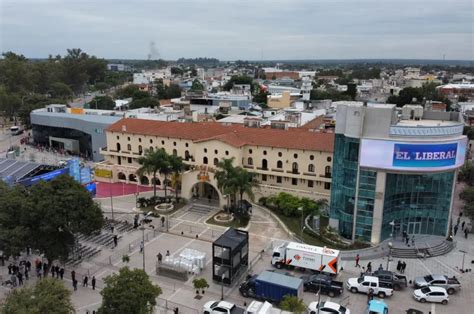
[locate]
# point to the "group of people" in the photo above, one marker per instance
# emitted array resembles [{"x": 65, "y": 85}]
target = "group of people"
[
  {"x": 42, "y": 270},
  {"x": 85, "y": 281},
  {"x": 160, "y": 257},
  {"x": 401, "y": 265},
  {"x": 464, "y": 228}
]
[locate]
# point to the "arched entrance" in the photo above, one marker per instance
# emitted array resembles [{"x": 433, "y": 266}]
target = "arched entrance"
[
  {"x": 121, "y": 176},
  {"x": 144, "y": 180},
  {"x": 204, "y": 191},
  {"x": 198, "y": 185}
]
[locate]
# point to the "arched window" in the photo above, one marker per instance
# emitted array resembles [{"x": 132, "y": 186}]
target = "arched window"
[
  {"x": 186, "y": 155},
  {"x": 204, "y": 160},
  {"x": 144, "y": 180},
  {"x": 327, "y": 170},
  {"x": 175, "y": 152},
  {"x": 132, "y": 177},
  {"x": 279, "y": 164},
  {"x": 264, "y": 164},
  {"x": 140, "y": 149},
  {"x": 121, "y": 176},
  {"x": 151, "y": 148},
  {"x": 216, "y": 161},
  {"x": 118, "y": 147},
  {"x": 294, "y": 167},
  {"x": 311, "y": 168},
  {"x": 129, "y": 147},
  {"x": 250, "y": 161}
]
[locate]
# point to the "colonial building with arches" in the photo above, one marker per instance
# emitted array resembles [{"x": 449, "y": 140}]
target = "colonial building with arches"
[{"x": 296, "y": 161}]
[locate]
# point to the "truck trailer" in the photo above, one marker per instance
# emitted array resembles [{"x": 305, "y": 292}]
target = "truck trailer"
[
  {"x": 271, "y": 286},
  {"x": 316, "y": 258}
]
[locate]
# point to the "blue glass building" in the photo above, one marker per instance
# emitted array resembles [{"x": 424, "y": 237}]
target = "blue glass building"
[{"x": 394, "y": 171}]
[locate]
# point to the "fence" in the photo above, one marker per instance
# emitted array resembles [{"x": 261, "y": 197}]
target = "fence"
[{"x": 164, "y": 306}]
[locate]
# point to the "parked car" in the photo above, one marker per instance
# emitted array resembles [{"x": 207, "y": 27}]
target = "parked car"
[
  {"x": 431, "y": 294},
  {"x": 450, "y": 284},
  {"x": 398, "y": 281},
  {"x": 222, "y": 307},
  {"x": 327, "y": 307},
  {"x": 377, "y": 307},
  {"x": 322, "y": 282},
  {"x": 365, "y": 283}
]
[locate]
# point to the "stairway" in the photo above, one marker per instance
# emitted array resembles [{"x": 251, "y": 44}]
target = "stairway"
[
  {"x": 424, "y": 249},
  {"x": 201, "y": 209}
]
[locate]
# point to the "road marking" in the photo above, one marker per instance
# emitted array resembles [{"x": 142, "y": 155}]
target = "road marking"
[
  {"x": 433, "y": 308},
  {"x": 424, "y": 266},
  {"x": 444, "y": 264}
]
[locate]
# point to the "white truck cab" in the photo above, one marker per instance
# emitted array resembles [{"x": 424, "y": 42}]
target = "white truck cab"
[{"x": 365, "y": 283}]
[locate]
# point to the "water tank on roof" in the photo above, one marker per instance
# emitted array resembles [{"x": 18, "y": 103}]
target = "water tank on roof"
[
  {"x": 417, "y": 112},
  {"x": 406, "y": 113}
]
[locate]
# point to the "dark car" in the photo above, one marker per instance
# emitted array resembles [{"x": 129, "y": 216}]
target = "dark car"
[
  {"x": 398, "y": 281},
  {"x": 325, "y": 283}
]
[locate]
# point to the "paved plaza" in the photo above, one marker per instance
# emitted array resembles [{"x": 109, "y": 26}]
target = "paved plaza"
[{"x": 186, "y": 228}]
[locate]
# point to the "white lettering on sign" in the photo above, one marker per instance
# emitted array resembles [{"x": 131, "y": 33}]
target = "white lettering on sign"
[{"x": 434, "y": 155}]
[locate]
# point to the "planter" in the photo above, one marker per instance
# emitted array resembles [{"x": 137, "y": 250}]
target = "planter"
[
  {"x": 223, "y": 218},
  {"x": 164, "y": 208}
]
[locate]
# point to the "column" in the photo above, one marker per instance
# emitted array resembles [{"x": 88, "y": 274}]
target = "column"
[{"x": 378, "y": 207}]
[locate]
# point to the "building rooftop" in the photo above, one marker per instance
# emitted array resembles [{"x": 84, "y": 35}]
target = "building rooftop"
[
  {"x": 234, "y": 135},
  {"x": 427, "y": 123}
]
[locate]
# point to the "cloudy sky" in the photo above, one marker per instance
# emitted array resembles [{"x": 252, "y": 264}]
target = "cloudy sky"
[{"x": 241, "y": 29}]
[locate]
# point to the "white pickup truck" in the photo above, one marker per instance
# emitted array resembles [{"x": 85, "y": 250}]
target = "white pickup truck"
[{"x": 365, "y": 283}]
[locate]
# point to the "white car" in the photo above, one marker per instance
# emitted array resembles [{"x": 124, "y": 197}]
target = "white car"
[
  {"x": 221, "y": 307},
  {"x": 431, "y": 294},
  {"x": 327, "y": 307}
]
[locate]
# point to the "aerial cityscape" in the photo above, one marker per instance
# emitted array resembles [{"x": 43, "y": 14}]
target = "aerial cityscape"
[{"x": 260, "y": 157}]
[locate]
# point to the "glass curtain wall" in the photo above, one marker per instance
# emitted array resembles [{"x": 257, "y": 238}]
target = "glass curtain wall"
[{"x": 418, "y": 204}]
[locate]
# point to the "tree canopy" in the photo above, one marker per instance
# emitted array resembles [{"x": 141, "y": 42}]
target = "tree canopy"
[
  {"x": 128, "y": 292},
  {"x": 238, "y": 79},
  {"x": 102, "y": 102},
  {"x": 45, "y": 296},
  {"x": 46, "y": 216},
  {"x": 292, "y": 304}
]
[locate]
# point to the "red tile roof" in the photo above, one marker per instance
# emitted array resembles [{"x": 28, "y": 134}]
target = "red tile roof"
[{"x": 235, "y": 135}]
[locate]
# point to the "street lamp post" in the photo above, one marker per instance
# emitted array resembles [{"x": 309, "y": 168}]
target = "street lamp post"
[
  {"x": 321, "y": 267},
  {"x": 390, "y": 245},
  {"x": 302, "y": 222},
  {"x": 143, "y": 237},
  {"x": 222, "y": 286},
  {"x": 111, "y": 198},
  {"x": 463, "y": 256}
]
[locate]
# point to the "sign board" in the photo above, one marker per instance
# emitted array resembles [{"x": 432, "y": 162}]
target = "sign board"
[
  {"x": 412, "y": 156},
  {"x": 103, "y": 173}
]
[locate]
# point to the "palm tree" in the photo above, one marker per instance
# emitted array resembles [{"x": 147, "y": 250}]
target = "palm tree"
[
  {"x": 245, "y": 182},
  {"x": 151, "y": 163},
  {"x": 177, "y": 166},
  {"x": 226, "y": 177}
]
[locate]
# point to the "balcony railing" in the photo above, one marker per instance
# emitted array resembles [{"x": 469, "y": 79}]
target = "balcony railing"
[
  {"x": 309, "y": 174},
  {"x": 277, "y": 170},
  {"x": 294, "y": 171}
]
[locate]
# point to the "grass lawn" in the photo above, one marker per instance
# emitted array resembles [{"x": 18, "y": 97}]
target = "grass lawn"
[{"x": 233, "y": 224}]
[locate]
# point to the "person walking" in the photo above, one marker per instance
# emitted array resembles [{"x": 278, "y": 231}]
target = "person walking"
[
  {"x": 357, "y": 259},
  {"x": 39, "y": 273},
  {"x": 160, "y": 257},
  {"x": 73, "y": 275},
  {"x": 74, "y": 284},
  {"x": 455, "y": 229},
  {"x": 93, "y": 282},
  {"x": 27, "y": 277},
  {"x": 85, "y": 280},
  {"x": 10, "y": 266},
  {"x": 465, "y": 233},
  {"x": 20, "y": 278},
  {"x": 369, "y": 267},
  {"x": 413, "y": 240},
  {"x": 462, "y": 225},
  {"x": 380, "y": 267},
  {"x": 52, "y": 270},
  {"x": 115, "y": 241},
  {"x": 404, "y": 265},
  {"x": 28, "y": 265},
  {"x": 370, "y": 295},
  {"x": 406, "y": 240},
  {"x": 162, "y": 221},
  {"x": 167, "y": 252},
  {"x": 141, "y": 247},
  {"x": 399, "y": 266},
  {"x": 61, "y": 272}
]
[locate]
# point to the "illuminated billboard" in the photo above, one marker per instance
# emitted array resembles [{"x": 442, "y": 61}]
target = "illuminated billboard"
[{"x": 406, "y": 156}]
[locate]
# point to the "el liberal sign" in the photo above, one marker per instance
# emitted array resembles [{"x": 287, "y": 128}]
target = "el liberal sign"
[{"x": 424, "y": 155}]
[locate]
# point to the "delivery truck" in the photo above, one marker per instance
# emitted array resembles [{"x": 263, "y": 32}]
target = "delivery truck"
[
  {"x": 316, "y": 258},
  {"x": 272, "y": 287}
]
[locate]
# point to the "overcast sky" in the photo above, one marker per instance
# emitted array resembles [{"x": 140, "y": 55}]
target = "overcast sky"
[{"x": 241, "y": 29}]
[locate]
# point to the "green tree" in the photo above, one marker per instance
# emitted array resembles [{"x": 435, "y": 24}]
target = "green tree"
[
  {"x": 226, "y": 178},
  {"x": 51, "y": 214},
  {"x": 177, "y": 166},
  {"x": 261, "y": 97},
  {"x": 466, "y": 174},
  {"x": 60, "y": 90},
  {"x": 197, "y": 86},
  {"x": 126, "y": 92},
  {"x": 102, "y": 102},
  {"x": 75, "y": 69},
  {"x": 101, "y": 86},
  {"x": 151, "y": 163},
  {"x": 15, "y": 73},
  {"x": 128, "y": 292},
  {"x": 148, "y": 102},
  {"x": 292, "y": 304},
  {"x": 46, "y": 296},
  {"x": 245, "y": 182},
  {"x": 172, "y": 91},
  {"x": 351, "y": 90}
]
